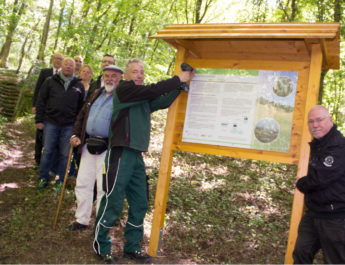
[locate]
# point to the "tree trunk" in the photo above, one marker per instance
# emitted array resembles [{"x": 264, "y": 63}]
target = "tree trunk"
[
  {"x": 94, "y": 30},
  {"x": 322, "y": 78},
  {"x": 199, "y": 13},
  {"x": 14, "y": 20},
  {"x": 43, "y": 43},
  {"x": 63, "y": 4},
  {"x": 22, "y": 50},
  {"x": 337, "y": 11},
  {"x": 337, "y": 18},
  {"x": 186, "y": 11},
  {"x": 69, "y": 26},
  {"x": 293, "y": 10}
]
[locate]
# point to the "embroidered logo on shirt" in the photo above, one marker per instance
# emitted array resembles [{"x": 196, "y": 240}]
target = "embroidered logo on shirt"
[
  {"x": 77, "y": 89},
  {"x": 329, "y": 160}
]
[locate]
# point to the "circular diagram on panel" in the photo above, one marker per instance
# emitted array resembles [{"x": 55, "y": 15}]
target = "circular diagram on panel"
[
  {"x": 266, "y": 130},
  {"x": 283, "y": 86}
]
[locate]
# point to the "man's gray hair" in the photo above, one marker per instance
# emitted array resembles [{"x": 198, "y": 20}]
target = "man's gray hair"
[
  {"x": 320, "y": 107},
  {"x": 68, "y": 59},
  {"x": 130, "y": 61}
]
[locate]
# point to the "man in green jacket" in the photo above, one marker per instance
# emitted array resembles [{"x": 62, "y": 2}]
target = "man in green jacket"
[{"x": 125, "y": 176}]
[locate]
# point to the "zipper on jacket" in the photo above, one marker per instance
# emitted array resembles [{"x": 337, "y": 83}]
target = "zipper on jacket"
[
  {"x": 332, "y": 207},
  {"x": 127, "y": 128}
]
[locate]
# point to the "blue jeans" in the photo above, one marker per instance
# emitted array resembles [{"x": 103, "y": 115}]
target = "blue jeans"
[{"x": 53, "y": 134}]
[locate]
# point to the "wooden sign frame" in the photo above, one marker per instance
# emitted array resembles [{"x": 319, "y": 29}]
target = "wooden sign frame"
[{"x": 306, "y": 48}]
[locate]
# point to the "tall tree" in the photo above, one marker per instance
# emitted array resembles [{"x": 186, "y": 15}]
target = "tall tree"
[
  {"x": 62, "y": 9},
  {"x": 69, "y": 27},
  {"x": 23, "y": 50},
  {"x": 201, "y": 9},
  {"x": 290, "y": 10},
  {"x": 337, "y": 17},
  {"x": 45, "y": 33},
  {"x": 258, "y": 11},
  {"x": 17, "y": 11}
]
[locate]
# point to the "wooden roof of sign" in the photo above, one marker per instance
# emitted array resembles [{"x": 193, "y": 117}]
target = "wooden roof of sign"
[{"x": 262, "y": 41}]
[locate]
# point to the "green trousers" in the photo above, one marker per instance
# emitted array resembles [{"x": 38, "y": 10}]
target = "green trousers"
[{"x": 125, "y": 176}]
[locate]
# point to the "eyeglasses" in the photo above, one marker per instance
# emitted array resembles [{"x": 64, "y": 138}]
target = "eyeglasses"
[
  {"x": 108, "y": 61},
  {"x": 317, "y": 120}
]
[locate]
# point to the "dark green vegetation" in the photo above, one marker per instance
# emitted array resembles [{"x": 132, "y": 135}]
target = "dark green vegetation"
[
  {"x": 226, "y": 210},
  {"x": 220, "y": 209}
]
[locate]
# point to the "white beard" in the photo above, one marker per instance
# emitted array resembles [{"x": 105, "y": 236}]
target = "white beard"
[{"x": 109, "y": 88}]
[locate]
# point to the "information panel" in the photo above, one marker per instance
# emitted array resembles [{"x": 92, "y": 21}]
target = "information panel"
[{"x": 241, "y": 108}]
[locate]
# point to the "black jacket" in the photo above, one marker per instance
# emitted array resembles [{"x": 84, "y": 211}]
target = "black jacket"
[
  {"x": 132, "y": 107},
  {"x": 95, "y": 84},
  {"x": 56, "y": 105},
  {"x": 324, "y": 186},
  {"x": 44, "y": 74},
  {"x": 79, "y": 128}
]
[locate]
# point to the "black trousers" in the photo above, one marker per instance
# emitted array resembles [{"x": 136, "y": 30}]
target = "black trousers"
[
  {"x": 38, "y": 146},
  {"x": 319, "y": 233}
]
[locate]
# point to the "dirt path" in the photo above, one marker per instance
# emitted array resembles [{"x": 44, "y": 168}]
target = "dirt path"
[
  {"x": 16, "y": 157},
  {"x": 26, "y": 215},
  {"x": 17, "y": 150}
]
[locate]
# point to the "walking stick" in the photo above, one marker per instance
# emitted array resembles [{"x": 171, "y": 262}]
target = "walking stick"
[{"x": 64, "y": 184}]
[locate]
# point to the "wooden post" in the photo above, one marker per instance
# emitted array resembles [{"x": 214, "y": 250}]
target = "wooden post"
[
  {"x": 312, "y": 96},
  {"x": 277, "y": 47},
  {"x": 164, "y": 169}
]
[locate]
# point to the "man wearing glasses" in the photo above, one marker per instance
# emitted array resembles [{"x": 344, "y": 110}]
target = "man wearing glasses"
[
  {"x": 323, "y": 223},
  {"x": 107, "y": 60},
  {"x": 44, "y": 74}
]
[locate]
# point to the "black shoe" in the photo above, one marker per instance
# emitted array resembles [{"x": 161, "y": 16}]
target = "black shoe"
[
  {"x": 137, "y": 255},
  {"x": 77, "y": 226},
  {"x": 108, "y": 258}
]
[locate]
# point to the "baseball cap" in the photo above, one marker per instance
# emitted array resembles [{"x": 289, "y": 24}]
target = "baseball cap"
[{"x": 113, "y": 67}]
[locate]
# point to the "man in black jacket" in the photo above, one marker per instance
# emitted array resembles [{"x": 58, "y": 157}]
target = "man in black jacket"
[
  {"x": 107, "y": 60},
  {"x": 44, "y": 74},
  {"x": 323, "y": 224},
  {"x": 59, "y": 102}
]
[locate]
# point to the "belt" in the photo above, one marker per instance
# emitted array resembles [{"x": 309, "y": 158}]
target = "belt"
[
  {"x": 89, "y": 136},
  {"x": 136, "y": 150}
]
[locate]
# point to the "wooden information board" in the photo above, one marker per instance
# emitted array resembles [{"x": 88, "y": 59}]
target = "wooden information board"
[{"x": 302, "y": 48}]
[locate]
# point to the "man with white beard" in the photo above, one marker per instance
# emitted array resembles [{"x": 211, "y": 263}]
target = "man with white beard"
[{"x": 90, "y": 133}]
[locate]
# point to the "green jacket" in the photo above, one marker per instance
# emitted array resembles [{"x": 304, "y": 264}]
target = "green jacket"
[{"x": 133, "y": 104}]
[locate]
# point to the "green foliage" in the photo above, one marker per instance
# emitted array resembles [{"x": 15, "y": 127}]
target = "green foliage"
[
  {"x": 93, "y": 28},
  {"x": 211, "y": 214},
  {"x": 334, "y": 95},
  {"x": 2, "y": 130},
  {"x": 309, "y": 11}
]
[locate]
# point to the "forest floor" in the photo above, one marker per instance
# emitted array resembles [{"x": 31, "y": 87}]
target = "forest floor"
[
  {"x": 220, "y": 210},
  {"x": 27, "y": 214}
]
